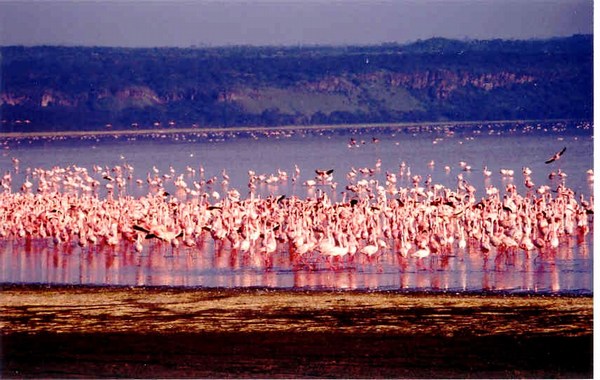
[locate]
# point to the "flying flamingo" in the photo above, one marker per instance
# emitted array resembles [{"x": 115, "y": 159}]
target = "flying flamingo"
[{"x": 556, "y": 156}]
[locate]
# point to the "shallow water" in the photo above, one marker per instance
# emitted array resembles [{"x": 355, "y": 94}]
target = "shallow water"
[{"x": 567, "y": 269}]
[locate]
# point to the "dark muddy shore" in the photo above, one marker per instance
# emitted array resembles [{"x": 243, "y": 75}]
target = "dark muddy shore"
[{"x": 165, "y": 332}]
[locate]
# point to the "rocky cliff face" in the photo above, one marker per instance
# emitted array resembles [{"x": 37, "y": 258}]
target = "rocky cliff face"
[
  {"x": 444, "y": 82},
  {"x": 441, "y": 82},
  {"x": 130, "y": 96}
]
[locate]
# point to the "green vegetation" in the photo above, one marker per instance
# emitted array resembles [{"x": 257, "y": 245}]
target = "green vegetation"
[{"x": 77, "y": 88}]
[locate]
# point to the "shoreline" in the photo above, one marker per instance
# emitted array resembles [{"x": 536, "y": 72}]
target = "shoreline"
[
  {"x": 157, "y": 332},
  {"x": 32, "y": 286},
  {"x": 238, "y": 129}
]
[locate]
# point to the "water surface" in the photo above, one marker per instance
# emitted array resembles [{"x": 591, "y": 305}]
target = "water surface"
[{"x": 495, "y": 146}]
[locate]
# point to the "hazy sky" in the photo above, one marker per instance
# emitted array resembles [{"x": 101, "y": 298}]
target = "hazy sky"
[{"x": 284, "y": 22}]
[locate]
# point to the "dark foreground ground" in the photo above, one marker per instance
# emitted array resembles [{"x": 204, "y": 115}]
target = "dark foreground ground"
[{"x": 156, "y": 332}]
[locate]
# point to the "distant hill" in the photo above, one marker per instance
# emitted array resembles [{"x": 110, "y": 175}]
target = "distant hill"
[{"x": 88, "y": 88}]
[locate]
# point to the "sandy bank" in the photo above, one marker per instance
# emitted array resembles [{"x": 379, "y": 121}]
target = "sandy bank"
[
  {"x": 239, "y": 129},
  {"x": 162, "y": 332}
]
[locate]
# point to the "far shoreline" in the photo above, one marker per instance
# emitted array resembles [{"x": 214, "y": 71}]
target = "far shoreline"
[{"x": 240, "y": 129}]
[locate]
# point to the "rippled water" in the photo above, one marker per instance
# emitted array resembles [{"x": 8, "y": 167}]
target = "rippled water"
[{"x": 568, "y": 269}]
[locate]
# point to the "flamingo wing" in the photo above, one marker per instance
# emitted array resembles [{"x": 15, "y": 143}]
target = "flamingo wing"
[
  {"x": 562, "y": 151},
  {"x": 556, "y": 156},
  {"x": 140, "y": 228}
]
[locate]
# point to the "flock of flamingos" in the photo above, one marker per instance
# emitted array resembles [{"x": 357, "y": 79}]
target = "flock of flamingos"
[{"x": 62, "y": 205}]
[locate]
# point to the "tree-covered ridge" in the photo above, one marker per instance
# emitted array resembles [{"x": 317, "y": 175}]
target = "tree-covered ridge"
[{"x": 75, "y": 88}]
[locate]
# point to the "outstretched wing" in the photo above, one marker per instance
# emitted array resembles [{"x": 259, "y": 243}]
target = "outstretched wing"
[
  {"x": 140, "y": 228},
  {"x": 323, "y": 172},
  {"x": 149, "y": 235},
  {"x": 556, "y": 156},
  {"x": 562, "y": 151}
]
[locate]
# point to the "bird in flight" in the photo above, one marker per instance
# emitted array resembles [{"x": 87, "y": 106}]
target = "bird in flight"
[
  {"x": 322, "y": 173},
  {"x": 556, "y": 156}
]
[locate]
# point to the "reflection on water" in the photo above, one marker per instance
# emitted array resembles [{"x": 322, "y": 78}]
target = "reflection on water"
[
  {"x": 433, "y": 153},
  {"x": 565, "y": 269}
]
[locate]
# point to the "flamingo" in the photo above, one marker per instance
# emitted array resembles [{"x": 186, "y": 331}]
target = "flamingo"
[
  {"x": 556, "y": 156},
  {"x": 429, "y": 218},
  {"x": 487, "y": 172},
  {"x": 421, "y": 253},
  {"x": 161, "y": 232}
]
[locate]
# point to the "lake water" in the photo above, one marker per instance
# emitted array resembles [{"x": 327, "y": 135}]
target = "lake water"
[{"x": 497, "y": 146}]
